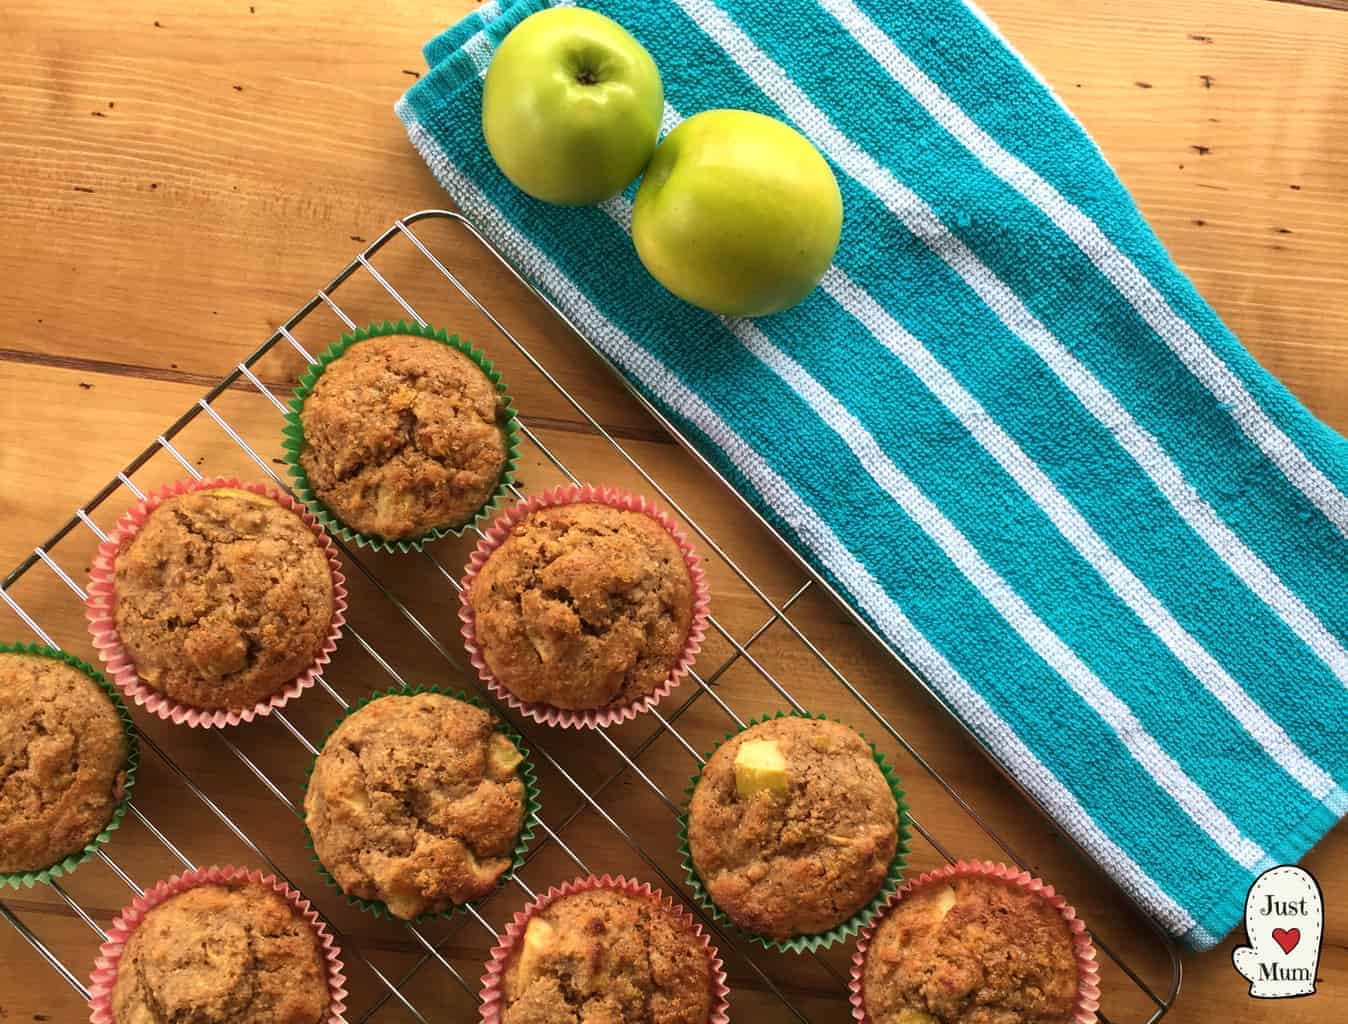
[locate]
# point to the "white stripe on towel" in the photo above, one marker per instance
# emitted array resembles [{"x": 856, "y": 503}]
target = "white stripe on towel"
[
  {"x": 815, "y": 533},
  {"x": 1116, "y": 267},
  {"x": 919, "y": 218}
]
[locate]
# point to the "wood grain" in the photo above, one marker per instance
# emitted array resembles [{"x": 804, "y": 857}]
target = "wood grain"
[
  {"x": 1332, "y": 5},
  {"x": 177, "y": 179}
]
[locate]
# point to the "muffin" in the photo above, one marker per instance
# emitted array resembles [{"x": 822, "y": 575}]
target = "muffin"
[
  {"x": 221, "y": 598},
  {"x": 792, "y": 827},
  {"x": 222, "y": 954},
  {"x": 63, "y": 761},
  {"x": 607, "y": 955},
  {"x": 403, "y": 435},
  {"x": 972, "y": 949},
  {"x": 583, "y": 606},
  {"x": 417, "y": 802}
]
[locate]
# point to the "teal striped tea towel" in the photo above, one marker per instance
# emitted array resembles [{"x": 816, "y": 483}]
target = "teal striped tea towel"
[{"x": 1005, "y": 427}]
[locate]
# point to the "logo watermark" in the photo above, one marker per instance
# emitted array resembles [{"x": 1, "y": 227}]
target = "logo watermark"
[{"x": 1284, "y": 926}]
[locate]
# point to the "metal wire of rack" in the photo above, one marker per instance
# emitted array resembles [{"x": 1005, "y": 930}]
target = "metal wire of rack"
[{"x": 1154, "y": 996}]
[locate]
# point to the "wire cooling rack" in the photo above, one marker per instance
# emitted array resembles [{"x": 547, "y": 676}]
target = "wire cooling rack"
[{"x": 610, "y": 798}]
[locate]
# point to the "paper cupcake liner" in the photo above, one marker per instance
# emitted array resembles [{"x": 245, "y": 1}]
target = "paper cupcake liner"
[
  {"x": 589, "y": 718},
  {"x": 1088, "y": 971},
  {"x": 292, "y": 439},
  {"x": 28, "y": 879},
  {"x": 838, "y": 933},
  {"x": 533, "y": 803},
  {"x": 119, "y": 933},
  {"x": 102, "y": 600},
  {"x": 492, "y": 996}
]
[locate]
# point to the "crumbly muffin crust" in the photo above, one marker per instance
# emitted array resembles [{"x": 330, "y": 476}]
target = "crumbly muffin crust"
[
  {"x": 607, "y": 957},
  {"x": 971, "y": 950},
  {"x": 583, "y": 606},
  {"x": 222, "y": 954},
  {"x": 403, "y": 434},
  {"x": 63, "y": 753},
  {"x": 222, "y": 597},
  {"x": 803, "y": 859},
  {"x": 417, "y": 802}
]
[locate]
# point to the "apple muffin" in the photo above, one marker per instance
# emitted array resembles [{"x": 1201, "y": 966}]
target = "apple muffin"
[
  {"x": 416, "y": 802},
  {"x": 583, "y": 606},
  {"x": 792, "y": 827},
  {"x": 606, "y": 955},
  {"x": 63, "y": 761},
  {"x": 404, "y": 434},
  {"x": 970, "y": 950},
  {"x": 222, "y": 954},
  {"x": 222, "y": 597}
]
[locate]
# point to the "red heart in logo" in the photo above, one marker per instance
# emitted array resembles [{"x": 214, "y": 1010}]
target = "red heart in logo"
[{"x": 1287, "y": 938}]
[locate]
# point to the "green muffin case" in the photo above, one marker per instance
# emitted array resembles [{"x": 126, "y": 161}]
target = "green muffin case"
[
  {"x": 28, "y": 879},
  {"x": 532, "y": 800},
  {"x": 839, "y": 933},
  {"x": 292, "y": 438}
]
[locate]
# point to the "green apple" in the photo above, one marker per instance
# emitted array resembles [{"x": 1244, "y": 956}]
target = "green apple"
[
  {"x": 571, "y": 107},
  {"x": 737, "y": 213}
]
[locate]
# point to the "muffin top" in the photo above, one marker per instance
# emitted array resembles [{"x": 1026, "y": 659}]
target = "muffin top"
[
  {"x": 63, "y": 752},
  {"x": 583, "y": 606},
  {"x": 417, "y": 802},
  {"x": 607, "y": 956},
  {"x": 222, "y": 954},
  {"x": 792, "y": 826},
  {"x": 403, "y": 434},
  {"x": 222, "y": 597},
  {"x": 971, "y": 950}
]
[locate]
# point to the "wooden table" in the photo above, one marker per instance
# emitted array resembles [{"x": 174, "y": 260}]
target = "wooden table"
[{"x": 177, "y": 178}]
